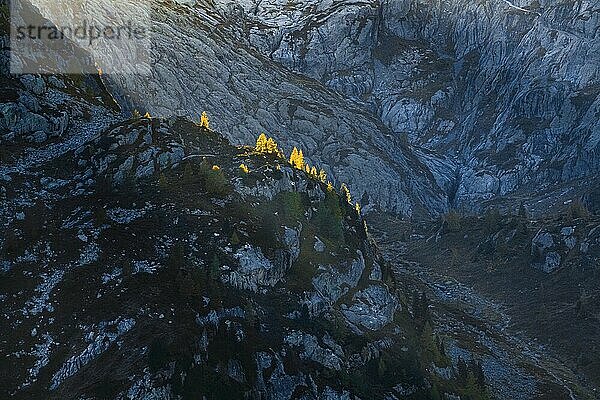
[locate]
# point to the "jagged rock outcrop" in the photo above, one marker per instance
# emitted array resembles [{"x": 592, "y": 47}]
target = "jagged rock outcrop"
[
  {"x": 331, "y": 41},
  {"x": 313, "y": 351},
  {"x": 551, "y": 249},
  {"x": 255, "y": 271},
  {"x": 108, "y": 332},
  {"x": 543, "y": 249}
]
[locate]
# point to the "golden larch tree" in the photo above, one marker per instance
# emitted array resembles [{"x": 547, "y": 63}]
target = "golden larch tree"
[
  {"x": 261, "y": 143},
  {"x": 271, "y": 146},
  {"x": 297, "y": 159},
  {"x": 323, "y": 176},
  {"x": 346, "y": 193},
  {"x": 204, "y": 122},
  {"x": 294, "y": 156}
]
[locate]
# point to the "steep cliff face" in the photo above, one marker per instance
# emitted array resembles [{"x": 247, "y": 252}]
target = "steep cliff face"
[
  {"x": 504, "y": 93},
  {"x": 524, "y": 95}
]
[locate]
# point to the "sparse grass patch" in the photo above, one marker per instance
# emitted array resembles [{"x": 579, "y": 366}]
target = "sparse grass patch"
[
  {"x": 290, "y": 206},
  {"x": 212, "y": 180},
  {"x": 452, "y": 221},
  {"x": 328, "y": 220},
  {"x": 577, "y": 210}
]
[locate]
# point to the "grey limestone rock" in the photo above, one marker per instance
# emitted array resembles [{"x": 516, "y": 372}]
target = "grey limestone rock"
[
  {"x": 545, "y": 252},
  {"x": 313, "y": 351},
  {"x": 332, "y": 283},
  {"x": 319, "y": 246},
  {"x": 372, "y": 308}
]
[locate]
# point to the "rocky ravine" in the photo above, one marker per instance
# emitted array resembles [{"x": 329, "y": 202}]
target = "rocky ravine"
[
  {"x": 504, "y": 93},
  {"x": 531, "y": 283},
  {"x": 516, "y": 366}
]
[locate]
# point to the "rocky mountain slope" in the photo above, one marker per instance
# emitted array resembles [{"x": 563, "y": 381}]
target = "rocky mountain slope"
[
  {"x": 158, "y": 261},
  {"x": 504, "y": 93},
  {"x": 150, "y": 258}
]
